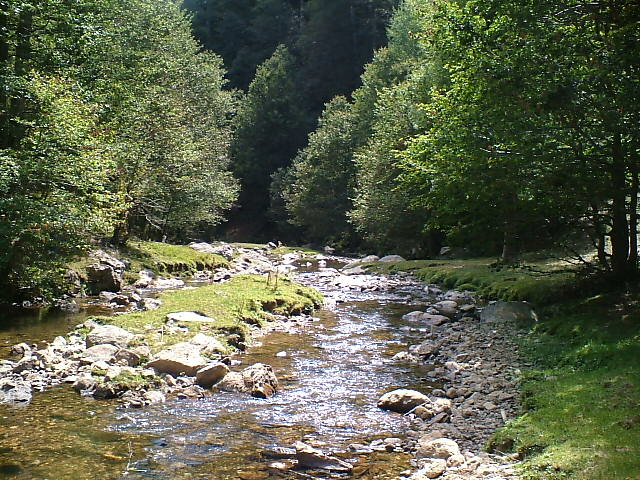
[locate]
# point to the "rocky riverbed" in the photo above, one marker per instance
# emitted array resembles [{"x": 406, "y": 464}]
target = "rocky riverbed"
[{"x": 468, "y": 387}]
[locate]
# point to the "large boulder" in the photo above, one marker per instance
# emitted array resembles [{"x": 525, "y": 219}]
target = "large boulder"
[
  {"x": 211, "y": 374},
  {"x": 448, "y": 308},
  {"x": 14, "y": 391},
  {"x": 102, "y": 334},
  {"x": 402, "y": 400},
  {"x": 180, "y": 359},
  {"x": 516, "y": 312},
  {"x": 258, "y": 380},
  {"x": 427, "y": 318},
  {"x": 106, "y": 275}
]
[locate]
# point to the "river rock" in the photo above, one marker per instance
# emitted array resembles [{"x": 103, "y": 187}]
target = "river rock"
[
  {"x": 208, "y": 344},
  {"x": 188, "y": 317},
  {"x": 392, "y": 258},
  {"x": 428, "y": 347},
  {"x": 154, "y": 396},
  {"x": 438, "y": 448},
  {"x": 181, "y": 358},
  {"x": 427, "y": 318},
  {"x": 360, "y": 261},
  {"x": 500, "y": 312},
  {"x": 128, "y": 357},
  {"x": 401, "y": 400},
  {"x": 145, "y": 278},
  {"x": 109, "y": 334},
  {"x": 310, "y": 457},
  {"x": 202, "y": 247},
  {"x": 258, "y": 380},
  {"x": 431, "y": 409},
  {"x": 211, "y": 374},
  {"x": 27, "y": 362},
  {"x": 96, "y": 353},
  {"x": 446, "y": 307},
  {"x": 431, "y": 469},
  {"x": 150, "y": 304},
  {"x": 14, "y": 391},
  {"x": 106, "y": 275},
  {"x": 20, "y": 349}
]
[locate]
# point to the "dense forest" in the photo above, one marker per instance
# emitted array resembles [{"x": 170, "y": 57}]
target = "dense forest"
[{"x": 496, "y": 126}]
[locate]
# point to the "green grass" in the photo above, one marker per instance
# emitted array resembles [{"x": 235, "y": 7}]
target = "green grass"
[
  {"x": 581, "y": 398},
  {"x": 538, "y": 283},
  {"x": 236, "y": 305},
  {"x": 580, "y": 417}
]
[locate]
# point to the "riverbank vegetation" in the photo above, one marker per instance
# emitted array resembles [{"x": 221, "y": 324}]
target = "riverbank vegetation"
[
  {"x": 234, "y": 306},
  {"x": 580, "y": 414}
]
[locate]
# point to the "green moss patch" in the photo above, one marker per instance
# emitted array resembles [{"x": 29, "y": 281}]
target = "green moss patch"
[
  {"x": 234, "y": 306},
  {"x": 163, "y": 258}
]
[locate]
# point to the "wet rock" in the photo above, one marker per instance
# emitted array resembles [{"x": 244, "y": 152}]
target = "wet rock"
[
  {"x": 188, "y": 317},
  {"x": 154, "y": 396},
  {"x": 438, "y": 448},
  {"x": 211, "y": 374},
  {"x": 258, "y": 380},
  {"x": 14, "y": 391},
  {"x": 310, "y": 457},
  {"x": 500, "y": 312},
  {"x": 26, "y": 363},
  {"x": 103, "y": 334},
  {"x": 392, "y": 258},
  {"x": 401, "y": 400},
  {"x": 96, "y": 353},
  {"x": 167, "y": 283},
  {"x": 105, "y": 391},
  {"x": 405, "y": 357},
  {"x": 431, "y": 469},
  {"x": 181, "y": 358},
  {"x": 20, "y": 349},
  {"x": 427, "y": 318}
]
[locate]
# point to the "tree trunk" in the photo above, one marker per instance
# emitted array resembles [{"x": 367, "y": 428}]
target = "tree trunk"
[
  {"x": 509, "y": 250},
  {"x": 633, "y": 218},
  {"x": 4, "y": 70},
  {"x": 600, "y": 237},
  {"x": 620, "y": 227}
]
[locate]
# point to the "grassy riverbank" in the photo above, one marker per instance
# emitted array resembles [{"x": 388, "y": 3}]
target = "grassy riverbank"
[
  {"x": 580, "y": 415},
  {"x": 234, "y": 306}
]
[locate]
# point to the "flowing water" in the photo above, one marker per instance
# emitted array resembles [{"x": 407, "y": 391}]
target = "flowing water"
[{"x": 332, "y": 375}]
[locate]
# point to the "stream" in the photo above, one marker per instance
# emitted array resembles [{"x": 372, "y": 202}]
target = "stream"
[{"x": 332, "y": 372}]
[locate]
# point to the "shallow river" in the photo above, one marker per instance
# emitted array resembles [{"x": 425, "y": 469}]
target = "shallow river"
[{"x": 332, "y": 376}]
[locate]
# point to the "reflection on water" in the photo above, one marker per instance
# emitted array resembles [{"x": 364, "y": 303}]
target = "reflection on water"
[{"x": 332, "y": 377}]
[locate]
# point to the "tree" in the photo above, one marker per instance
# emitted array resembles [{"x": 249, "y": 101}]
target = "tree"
[{"x": 322, "y": 176}]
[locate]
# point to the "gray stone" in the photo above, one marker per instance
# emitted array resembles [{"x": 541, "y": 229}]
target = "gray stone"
[
  {"x": 500, "y": 312},
  {"x": 447, "y": 307},
  {"x": 154, "y": 396},
  {"x": 310, "y": 457},
  {"x": 187, "y": 317},
  {"x": 96, "y": 353},
  {"x": 20, "y": 349},
  {"x": 211, "y": 374},
  {"x": 14, "y": 391},
  {"x": 401, "y": 400},
  {"x": 431, "y": 469},
  {"x": 150, "y": 304},
  {"x": 208, "y": 344},
  {"x": 428, "y": 347},
  {"x": 258, "y": 380},
  {"x": 109, "y": 334},
  {"x": 128, "y": 357},
  {"x": 392, "y": 258},
  {"x": 438, "y": 448},
  {"x": 181, "y": 358}
]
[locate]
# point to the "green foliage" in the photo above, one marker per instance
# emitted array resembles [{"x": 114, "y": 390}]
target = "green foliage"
[
  {"x": 53, "y": 186},
  {"x": 321, "y": 187}
]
